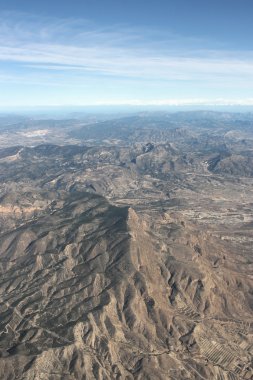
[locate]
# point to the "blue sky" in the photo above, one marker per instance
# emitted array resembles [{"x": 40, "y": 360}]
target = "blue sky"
[{"x": 57, "y": 53}]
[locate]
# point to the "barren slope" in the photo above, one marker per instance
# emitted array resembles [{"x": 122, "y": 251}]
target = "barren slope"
[{"x": 128, "y": 262}]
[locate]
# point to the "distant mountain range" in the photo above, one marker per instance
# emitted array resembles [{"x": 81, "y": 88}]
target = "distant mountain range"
[{"x": 126, "y": 247}]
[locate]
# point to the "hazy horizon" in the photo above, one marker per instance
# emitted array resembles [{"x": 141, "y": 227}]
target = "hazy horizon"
[{"x": 65, "y": 111}]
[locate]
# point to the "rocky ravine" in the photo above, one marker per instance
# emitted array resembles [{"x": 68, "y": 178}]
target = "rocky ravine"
[
  {"x": 116, "y": 264},
  {"x": 95, "y": 291}
]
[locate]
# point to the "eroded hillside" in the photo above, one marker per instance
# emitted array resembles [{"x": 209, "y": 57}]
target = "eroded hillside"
[{"x": 128, "y": 261}]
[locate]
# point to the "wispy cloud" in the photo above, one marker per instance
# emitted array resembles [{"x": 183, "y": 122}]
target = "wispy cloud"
[
  {"x": 181, "y": 102},
  {"x": 77, "y": 50}
]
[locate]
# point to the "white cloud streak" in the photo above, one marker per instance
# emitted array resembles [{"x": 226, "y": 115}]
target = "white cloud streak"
[
  {"x": 82, "y": 51},
  {"x": 127, "y": 62},
  {"x": 181, "y": 102}
]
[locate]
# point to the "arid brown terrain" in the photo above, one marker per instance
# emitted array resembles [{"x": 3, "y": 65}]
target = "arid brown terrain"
[{"x": 126, "y": 248}]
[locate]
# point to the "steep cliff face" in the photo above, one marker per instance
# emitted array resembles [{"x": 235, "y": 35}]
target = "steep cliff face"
[{"x": 96, "y": 291}]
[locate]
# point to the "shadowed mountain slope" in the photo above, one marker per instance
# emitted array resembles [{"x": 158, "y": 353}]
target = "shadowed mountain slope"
[{"x": 129, "y": 261}]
